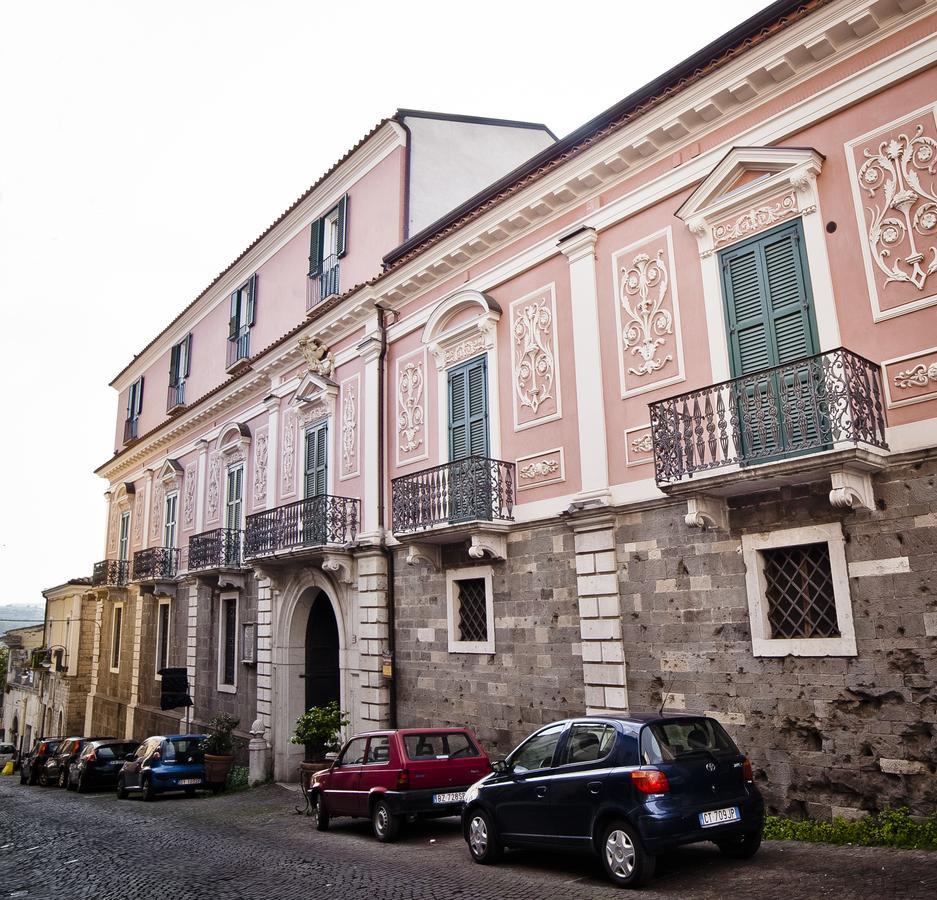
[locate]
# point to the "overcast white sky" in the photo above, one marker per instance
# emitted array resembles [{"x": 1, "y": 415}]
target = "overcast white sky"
[{"x": 144, "y": 145}]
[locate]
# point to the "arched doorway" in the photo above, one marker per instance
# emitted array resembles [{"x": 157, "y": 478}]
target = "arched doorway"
[{"x": 322, "y": 676}]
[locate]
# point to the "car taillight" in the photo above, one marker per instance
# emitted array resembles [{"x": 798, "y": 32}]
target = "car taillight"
[
  {"x": 403, "y": 779},
  {"x": 747, "y": 769},
  {"x": 650, "y": 781}
]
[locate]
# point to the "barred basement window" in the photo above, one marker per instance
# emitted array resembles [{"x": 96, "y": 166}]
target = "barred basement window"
[
  {"x": 799, "y": 591},
  {"x": 470, "y": 610},
  {"x": 472, "y": 623}
]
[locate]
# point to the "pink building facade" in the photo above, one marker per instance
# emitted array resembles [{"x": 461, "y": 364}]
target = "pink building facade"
[{"x": 641, "y": 417}]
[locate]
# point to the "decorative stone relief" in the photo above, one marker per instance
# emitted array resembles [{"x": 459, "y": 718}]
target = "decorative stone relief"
[
  {"x": 464, "y": 350},
  {"x": 911, "y": 379},
  {"x": 260, "y": 468},
  {"x": 138, "y": 519},
  {"x": 534, "y": 358},
  {"x": 213, "y": 504},
  {"x": 188, "y": 498},
  {"x": 647, "y": 321},
  {"x": 754, "y": 220},
  {"x": 112, "y": 530},
  {"x": 350, "y": 427},
  {"x": 156, "y": 513},
  {"x": 319, "y": 360},
  {"x": 410, "y": 415},
  {"x": 288, "y": 467},
  {"x": 904, "y": 217},
  {"x": 639, "y": 446},
  {"x": 895, "y": 193},
  {"x": 313, "y": 412},
  {"x": 649, "y": 349},
  {"x": 540, "y": 469}
]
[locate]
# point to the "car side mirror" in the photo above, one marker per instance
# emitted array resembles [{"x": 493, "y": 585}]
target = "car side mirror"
[{"x": 500, "y": 766}]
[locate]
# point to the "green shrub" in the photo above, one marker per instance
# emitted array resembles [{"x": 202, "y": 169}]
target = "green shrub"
[
  {"x": 238, "y": 779},
  {"x": 889, "y": 828}
]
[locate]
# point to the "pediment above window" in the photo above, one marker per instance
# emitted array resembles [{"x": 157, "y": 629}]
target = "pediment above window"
[
  {"x": 750, "y": 190},
  {"x": 170, "y": 474},
  {"x": 314, "y": 398},
  {"x": 233, "y": 441},
  {"x": 461, "y": 326},
  {"x": 123, "y": 495}
]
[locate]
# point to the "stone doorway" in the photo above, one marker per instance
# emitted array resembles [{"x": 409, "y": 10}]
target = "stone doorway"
[{"x": 322, "y": 675}]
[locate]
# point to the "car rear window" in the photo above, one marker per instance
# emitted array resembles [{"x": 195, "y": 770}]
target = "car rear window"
[
  {"x": 439, "y": 745},
  {"x": 667, "y": 741},
  {"x": 178, "y": 750},
  {"x": 7, "y": 748}
]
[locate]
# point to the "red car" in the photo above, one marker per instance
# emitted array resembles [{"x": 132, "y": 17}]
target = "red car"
[{"x": 389, "y": 776}]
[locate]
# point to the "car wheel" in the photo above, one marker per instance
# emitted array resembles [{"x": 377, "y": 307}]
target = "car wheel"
[
  {"x": 121, "y": 788},
  {"x": 320, "y": 813},
  {"x": 744, "y": 847},
  {"x": 482, "y": 840},
  {"x": 80, "y": 785},
  {"x": 63, "y": 779},
  {"x": 23, "y": 778},
  {"x": 626, "y": 862},
  {"x": 43, "y": 777},
  {"x": 147, "y": 787},
  {"x": 385, "y": 824}
]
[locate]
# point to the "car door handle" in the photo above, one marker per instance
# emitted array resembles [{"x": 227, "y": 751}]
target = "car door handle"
[
  {"x": 542, "y": 791},
  {"x": 595, "y": 787}
]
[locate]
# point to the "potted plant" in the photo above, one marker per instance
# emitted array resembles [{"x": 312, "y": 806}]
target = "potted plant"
[
  {"x": 318, "y": 730},
  {"x": 217, "y": 747}
]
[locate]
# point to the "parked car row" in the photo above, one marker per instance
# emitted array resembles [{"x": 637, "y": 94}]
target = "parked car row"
[
  {"x": 159, "y": 764},
  {"x": 622, "y": 788}
]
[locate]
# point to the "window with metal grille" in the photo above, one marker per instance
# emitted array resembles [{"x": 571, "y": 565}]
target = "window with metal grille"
[
  {"x": 799, "y": 591},
  {"x": 473, "y": 619},
  {"x": 228, "y": 639}
]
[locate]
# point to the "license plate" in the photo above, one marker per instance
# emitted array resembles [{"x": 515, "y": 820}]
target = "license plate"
[
  {"x": 719, "y": 816},
  {"x": 190, "y": 781},
  {"x": 449, "y": 798}
]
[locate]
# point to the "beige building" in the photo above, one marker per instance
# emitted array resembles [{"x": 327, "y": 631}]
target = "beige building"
[{"x": 22, "y": 709}]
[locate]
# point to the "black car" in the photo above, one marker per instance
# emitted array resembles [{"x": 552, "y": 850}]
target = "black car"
[
  {"x": 57, "y": 766},
  {"x": 33, "y": 767},
  {"x": 625, "y": 788},
  {"x": 98, "y": 764}
]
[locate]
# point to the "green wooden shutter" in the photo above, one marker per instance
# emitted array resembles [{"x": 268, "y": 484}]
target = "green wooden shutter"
[
  {"x": 187, "y": 344},
  {"x": 468, "y": 410},
  {"x": 234, "y": 498},
  {"x": 139, "y": 408},
  {"x": 233, "y": 319},
  {"x": 340, "y": 224},
  {"x": 316, "y": 470},
  {"x": 251, "y": 299},
  {"x": 174, "y": 365},
  {"x": 315, "y": 248}
]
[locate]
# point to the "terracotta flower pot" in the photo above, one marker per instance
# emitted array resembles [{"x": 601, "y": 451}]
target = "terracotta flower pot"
[
  {"x": 217, "y": 768},
  {"x": 308, "y": 769}
]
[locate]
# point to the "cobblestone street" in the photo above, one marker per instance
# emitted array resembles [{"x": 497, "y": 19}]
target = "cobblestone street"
[{"x": 253, "y": 845}]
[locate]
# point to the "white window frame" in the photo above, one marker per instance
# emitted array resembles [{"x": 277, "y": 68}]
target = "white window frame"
[
  {"x": 762, "y": 642},
  {"x": 453, "y": 576},
  {"x": 116, "y": 637},
  {"x": 227, "y": 498},
  {"x": 165, "y": 601},
  {"x": 123, "y": 537},
  {"x": 234, "y": 598},
  {"x": 171, "y": 499}
]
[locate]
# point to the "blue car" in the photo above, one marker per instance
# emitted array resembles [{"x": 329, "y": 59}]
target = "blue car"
[
  {"x": 623, "y": 787},
  {"x": 163, "y": 763}
]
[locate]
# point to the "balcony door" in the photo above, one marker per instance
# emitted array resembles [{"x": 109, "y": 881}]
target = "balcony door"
[
  {"x": 771, "y": 322},
  {"x": 234, "y": 498},
  {"x": 316, "y": 484},
  {"x": 123, "y": 541},
  {"x": 470, "y": 483},
  {"x": 169, "y": 524}
]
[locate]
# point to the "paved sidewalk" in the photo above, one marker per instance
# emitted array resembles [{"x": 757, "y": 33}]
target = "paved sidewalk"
[{"x": 56, "y": 844}]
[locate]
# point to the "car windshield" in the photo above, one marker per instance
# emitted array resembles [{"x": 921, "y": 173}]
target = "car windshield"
[
  {"x": 439, "y": 746},
  {"x": 667, "y": 741}
]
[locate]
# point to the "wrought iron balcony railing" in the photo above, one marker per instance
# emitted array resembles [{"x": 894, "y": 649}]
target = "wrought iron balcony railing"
[
  {"x": 315, "y": 522},
  {"x": 324, "y": 283},
  {"x": 156, "y": 564},
  {"x": 218, "y": 549},
  {"x": 239, "y": 347},
  {"x": 473, "y": 489},
  {"x": 812, "y": 404},
  {"x": 175, "y": 397},
  {"x": 130, "y": 429},
  {"x": 110, "y": 573}
]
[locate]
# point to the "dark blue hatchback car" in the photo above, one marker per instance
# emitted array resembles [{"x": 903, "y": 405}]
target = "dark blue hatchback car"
[
  {"x": 164, "y": 763},
  {"x": 625, "y": 788}
]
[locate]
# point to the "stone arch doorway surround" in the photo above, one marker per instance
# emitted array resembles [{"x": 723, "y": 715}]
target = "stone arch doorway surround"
[{"x": 310, "y": 639}]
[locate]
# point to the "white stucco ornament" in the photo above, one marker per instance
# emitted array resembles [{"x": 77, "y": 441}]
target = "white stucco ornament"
[
  {"x": 533, "y": 332},
  {"x": 647, "y": 320},
  {"x": 410, "y": 407}
]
